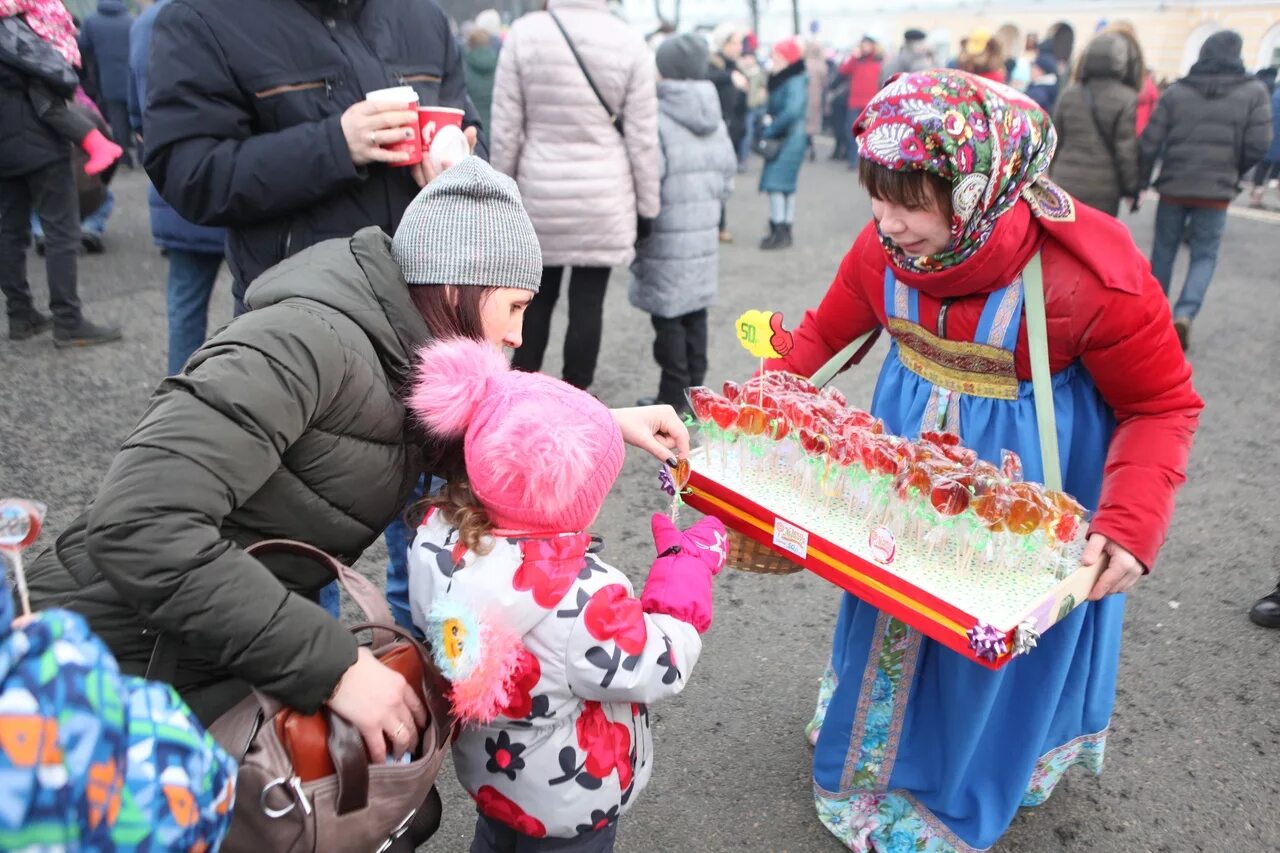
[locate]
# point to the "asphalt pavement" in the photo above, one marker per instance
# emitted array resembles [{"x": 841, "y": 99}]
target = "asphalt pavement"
[{"x": 1194, "y": 756}]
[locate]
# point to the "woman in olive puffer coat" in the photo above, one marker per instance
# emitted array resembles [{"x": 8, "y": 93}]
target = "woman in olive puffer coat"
[{"x": 1097, "y": 159}]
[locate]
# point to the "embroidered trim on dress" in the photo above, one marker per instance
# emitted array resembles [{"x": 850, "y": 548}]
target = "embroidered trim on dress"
[
  {"x": 1010, "y": 302},
  {"x": 961, "y": 366},
  {"x": 1088, "y": 750},
  {"x": 882, "y": 704}
]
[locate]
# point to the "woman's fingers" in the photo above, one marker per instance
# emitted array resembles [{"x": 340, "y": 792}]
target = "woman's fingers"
[
  {"x": 415, "y": 707},
  {"x": 375, "y": 742}
]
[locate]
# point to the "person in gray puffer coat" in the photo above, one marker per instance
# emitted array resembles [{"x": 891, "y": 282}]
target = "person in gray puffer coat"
[
  {"x": 1097, "y": 159},
  {"x": 676, "y": 267},
  {"x": 1207, "y": 131}
]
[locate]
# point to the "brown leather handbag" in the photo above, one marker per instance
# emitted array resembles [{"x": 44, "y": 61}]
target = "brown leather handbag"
[{"x": 305, "y": 781}]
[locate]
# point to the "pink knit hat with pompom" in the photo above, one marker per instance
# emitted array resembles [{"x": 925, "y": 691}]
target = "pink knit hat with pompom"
[{"x": 541, "y": 455}]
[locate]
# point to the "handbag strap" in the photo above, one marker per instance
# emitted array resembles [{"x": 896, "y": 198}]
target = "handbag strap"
[
  {"x": 1041, "y": 379},
  {"x": 858, "y": 347},
  {"x": 614, "y": 118},
  {"x": 163, "y": 664}
]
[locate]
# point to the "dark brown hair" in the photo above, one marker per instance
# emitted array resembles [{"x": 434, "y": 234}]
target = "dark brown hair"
[
  {"x": 914, "y": 190},
  {"x": 451, "y": 312}
]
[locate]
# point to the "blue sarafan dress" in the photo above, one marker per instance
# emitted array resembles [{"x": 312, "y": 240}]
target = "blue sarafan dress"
[{"x": 916, "y": 747}]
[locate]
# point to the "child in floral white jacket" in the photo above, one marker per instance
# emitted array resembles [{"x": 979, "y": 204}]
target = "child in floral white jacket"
[{"x": 552, "y": 658}]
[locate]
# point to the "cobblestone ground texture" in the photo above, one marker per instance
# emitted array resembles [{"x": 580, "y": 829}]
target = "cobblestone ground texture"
[{"x": 1195, "y": 746}]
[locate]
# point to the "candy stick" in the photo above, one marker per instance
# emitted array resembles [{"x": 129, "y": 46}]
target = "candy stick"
[{"x": 20, "y": 575}]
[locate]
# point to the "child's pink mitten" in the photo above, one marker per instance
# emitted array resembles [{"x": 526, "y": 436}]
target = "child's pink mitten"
[{"x": 680, "y": 581}]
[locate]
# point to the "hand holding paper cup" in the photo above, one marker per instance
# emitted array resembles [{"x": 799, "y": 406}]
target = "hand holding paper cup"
[{"x": 406, "y": 97}]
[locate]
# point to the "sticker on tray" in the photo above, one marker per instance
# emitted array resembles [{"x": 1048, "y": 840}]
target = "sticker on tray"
[
  {"x": 882, "y": 544},
  {"x": 792, "y": 539}
]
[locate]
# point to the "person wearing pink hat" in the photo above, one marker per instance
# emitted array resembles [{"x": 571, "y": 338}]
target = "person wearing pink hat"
[
  {"x": 551, "y": 656},
  {"x": 784, "y": 139}
]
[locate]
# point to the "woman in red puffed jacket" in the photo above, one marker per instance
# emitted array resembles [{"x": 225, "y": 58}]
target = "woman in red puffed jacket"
[{"x": 912, "y": 741}]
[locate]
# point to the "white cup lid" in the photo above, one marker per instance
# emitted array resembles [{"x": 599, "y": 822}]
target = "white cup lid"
[{"x": 396, "y": 94}]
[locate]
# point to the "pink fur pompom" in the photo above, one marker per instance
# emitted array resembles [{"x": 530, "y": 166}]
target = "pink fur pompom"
[{"x": 450, "y": 382}]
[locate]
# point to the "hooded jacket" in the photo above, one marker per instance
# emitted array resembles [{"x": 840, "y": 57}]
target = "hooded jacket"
[
  {"x": 677, "y": 266},
  {"x": 582, "y": 182},
  {"x": 1097, "y": 156},
  {"x": 481, "y": 63},
  {"x": 1209, "y": 128},
  {"x": 788, "y": 104},
  {"x": 571, "y": 749},
  {"x": 104, "y": 48},
  {"x": 288, "y": 423}
]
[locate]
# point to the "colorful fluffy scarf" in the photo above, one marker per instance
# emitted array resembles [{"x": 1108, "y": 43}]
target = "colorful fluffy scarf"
[
  {"x": 50, "y": 20},
  {"x": 992, "y": 143}
]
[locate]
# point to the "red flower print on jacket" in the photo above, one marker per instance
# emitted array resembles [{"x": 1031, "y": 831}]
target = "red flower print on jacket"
[
  {"x": 530, "y": 671},
  {"x": 607, "y": 745},
  {"x": 550, "y": 567},
  {"x": 493, "y": 804},
  {"x": 612, "y": 614}
]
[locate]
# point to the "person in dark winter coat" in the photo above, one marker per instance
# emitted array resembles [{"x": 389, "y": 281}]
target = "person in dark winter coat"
[
  {"x": 1044, "y": 82},
  {"x": 1097, "y": 157},
  {"x": 291, "y": 423},
  {"x": 1208, "y": 130},
  {"x": 732, "y": 87},
  {"x": 675, "y": 274},
  {"x": 265, "y": 129},
  {"x": 37, "y": 174},
  {"x": 914, "y": 55},
  {"x": 481, "y": 62},
  {"x": 195, "y": 251},
  {"x": 785, "y": 122},
  {"x": 104, "y": 47}
]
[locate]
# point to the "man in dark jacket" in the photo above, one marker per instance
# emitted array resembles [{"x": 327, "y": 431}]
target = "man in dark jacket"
[
  {"x": 195, "y": 251},
  {"x": 264, "y": 129},
  {"x": 1207, "y": 131},
  {"x": 36, "y": 174},
  {"x": 104, "y": 50}
]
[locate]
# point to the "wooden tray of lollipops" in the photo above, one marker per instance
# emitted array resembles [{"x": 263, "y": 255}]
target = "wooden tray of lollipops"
[{"x": 961, "y": 549}]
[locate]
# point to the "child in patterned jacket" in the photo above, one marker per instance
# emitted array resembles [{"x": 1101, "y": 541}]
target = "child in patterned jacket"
[{"x": 552, "y": 658}]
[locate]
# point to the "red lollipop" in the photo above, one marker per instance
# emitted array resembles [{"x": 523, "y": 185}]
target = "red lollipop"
[
  {"x": 724, "y": 413},
  {"x": 948, "y": 496},
  {"x": 1010, "y": 465},
  {"x": 814, "y": 443},
  {"x": 700, "y": 399},
  {"x": 732, "y": 391}
]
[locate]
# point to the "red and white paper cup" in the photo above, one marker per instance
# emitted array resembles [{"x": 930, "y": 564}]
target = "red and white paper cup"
[
  {"x": 431, "y": 119},
  {"x": 408, "y": 97}
]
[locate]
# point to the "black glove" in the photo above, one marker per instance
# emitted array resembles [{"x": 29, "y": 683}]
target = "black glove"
[{"x": 644, "y": 227}]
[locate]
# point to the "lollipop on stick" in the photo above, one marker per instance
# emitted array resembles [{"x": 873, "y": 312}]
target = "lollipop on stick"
[{"x": 19, "y": 527}]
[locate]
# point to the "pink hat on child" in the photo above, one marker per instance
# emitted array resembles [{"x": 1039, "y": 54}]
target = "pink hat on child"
[{"x": 541, "y": 455}]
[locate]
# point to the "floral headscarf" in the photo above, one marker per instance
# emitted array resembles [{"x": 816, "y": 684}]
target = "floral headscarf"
[{"x": 991, "y": 142}]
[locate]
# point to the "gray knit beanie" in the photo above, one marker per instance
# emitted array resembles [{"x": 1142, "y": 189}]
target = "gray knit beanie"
[
  {"x": 683, "y": 57},
  {"x": 469, "y": 227}
]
